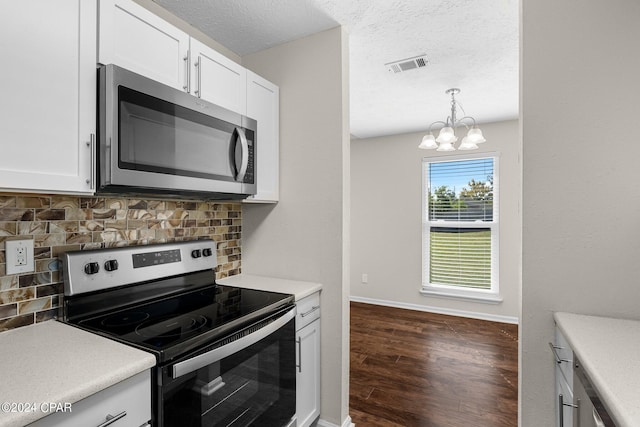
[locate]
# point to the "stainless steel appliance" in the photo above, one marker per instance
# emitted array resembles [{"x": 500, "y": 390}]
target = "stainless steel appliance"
[
  {"x": 591, "y": 409},
  {"x": 159, "y": 140},
  {"x": 225, "y": 355}
]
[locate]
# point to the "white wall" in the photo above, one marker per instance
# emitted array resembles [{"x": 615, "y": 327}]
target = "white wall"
[
  {"x": 386, "y": 216},
  {"x": 305, "y": 236},
  {"x": 581, "y": 198}
]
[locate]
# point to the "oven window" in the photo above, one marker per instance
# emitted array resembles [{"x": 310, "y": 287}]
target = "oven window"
[
  {"x": 253, "y": 387},
  {"x": 158, "y": 136}
]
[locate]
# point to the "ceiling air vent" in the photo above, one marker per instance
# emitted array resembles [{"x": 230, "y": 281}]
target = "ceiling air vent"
[{"x": 407, "y": 64}]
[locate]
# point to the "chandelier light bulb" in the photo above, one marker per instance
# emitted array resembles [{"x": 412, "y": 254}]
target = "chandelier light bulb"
[
  {"x": 467, "y": 144},
  {"x": 428, "y": 142},
  {"x": 475, "y": 136},
  {"x": 446, "y": 146},
  {"x": 446, "y": 136}
]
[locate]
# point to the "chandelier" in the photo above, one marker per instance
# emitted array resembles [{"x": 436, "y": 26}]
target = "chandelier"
[{"x": 447, "y": 136}]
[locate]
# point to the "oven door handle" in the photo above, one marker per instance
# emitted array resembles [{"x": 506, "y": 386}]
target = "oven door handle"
[{"x": 202, "y": 360}]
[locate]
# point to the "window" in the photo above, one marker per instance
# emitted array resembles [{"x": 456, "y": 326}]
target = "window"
[{"x": 460, "y": 227}]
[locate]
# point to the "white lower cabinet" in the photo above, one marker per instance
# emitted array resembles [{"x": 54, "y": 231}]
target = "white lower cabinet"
[
  {"x": 564, "y": 402},
  {"x": 571, "y": 399},
  {"x": 308, "y": 360},
  {"x": 573, "y": 405},
  {"x": 125, "y": 404}
]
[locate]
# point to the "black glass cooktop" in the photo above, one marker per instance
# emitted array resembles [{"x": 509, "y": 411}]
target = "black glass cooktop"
[{"x": 177, "y": 324}]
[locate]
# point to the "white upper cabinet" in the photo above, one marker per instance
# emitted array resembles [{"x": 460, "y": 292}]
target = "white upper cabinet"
[
  {"x": 217, "y": 79},
  {"x": 48, "y": 95},
  {"x": 134, "y": 38},
  {"x": 263, "y": 105}
]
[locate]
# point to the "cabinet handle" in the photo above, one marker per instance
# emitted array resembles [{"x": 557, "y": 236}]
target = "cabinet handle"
[
  {"x": 187, "y": 71},
  {"x": 561, "y": 410},
  {"x": 299, "y": 341},
  {"x": 555, "y": 354},
  {"x": 198, "y": 66},
  {"x": 92, "y": 161},
  {"x": 244, "y": 162},
  {"x": 314, "y": 308},
  {"x": 110, "y": 419},
  {"x": 561, "y": 406}
]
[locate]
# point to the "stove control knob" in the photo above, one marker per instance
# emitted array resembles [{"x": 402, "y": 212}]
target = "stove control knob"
[
  {"x": 111, "y": 265},
  {"x": 91, "y": 268},
  {"x": 196, "y": 253},
  {"x": 207, "y": 252}
]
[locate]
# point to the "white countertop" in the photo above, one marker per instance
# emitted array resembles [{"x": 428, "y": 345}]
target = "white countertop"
[
  {"x": 298, "y": 288},
  {"x": 55, "y": 362},
  {"x": 609, "y": 350}
]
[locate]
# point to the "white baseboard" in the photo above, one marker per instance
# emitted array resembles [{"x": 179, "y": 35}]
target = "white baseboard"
[
  {"x": 346, "y": 423},
  {"x": 439, "y": 310}
]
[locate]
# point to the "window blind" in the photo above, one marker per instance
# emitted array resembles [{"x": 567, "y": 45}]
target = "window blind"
[
  {"x": 461, "y": 190},
  {"x": 460, "y": 222},
  {"x": 460, "y": 257}
]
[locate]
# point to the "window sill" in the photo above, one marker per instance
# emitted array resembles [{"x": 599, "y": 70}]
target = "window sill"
[{"x": 466, "y": 296}]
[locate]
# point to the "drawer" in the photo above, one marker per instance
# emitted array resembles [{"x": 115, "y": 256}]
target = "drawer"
[
  {"x": 129, "y": 401},
  {"x": 564, "y": 354},
  {"x": 308, "y": 310}
]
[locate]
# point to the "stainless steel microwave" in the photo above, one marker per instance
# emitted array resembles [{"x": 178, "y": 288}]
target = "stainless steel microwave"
[{"x": 154, "y": 139}]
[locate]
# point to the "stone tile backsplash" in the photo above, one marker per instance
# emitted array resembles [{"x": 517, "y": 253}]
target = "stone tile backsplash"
[{"x": 60, "y": 223}]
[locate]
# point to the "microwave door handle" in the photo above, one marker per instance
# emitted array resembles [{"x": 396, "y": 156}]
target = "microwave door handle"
[{"x": 244, "y": 162}]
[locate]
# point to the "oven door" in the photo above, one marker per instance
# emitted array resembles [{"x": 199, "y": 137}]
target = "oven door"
[{"x": 247, "y": 379}]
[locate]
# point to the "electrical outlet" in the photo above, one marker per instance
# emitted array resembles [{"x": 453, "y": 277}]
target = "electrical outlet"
[{"x": 19, "y": 256}]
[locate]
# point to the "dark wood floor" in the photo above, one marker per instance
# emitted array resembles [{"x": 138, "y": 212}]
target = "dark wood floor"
[{"x": 410, "y": 368}]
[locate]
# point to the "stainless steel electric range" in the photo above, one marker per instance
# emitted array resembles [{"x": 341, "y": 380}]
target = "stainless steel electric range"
[{"x": 225, "y": 355}]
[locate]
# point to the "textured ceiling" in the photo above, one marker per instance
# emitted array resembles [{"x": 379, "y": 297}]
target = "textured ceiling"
[{"x": 470, "y": 44}]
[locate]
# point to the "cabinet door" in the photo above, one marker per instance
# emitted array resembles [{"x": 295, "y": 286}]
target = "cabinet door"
[
  {"x": 48, "y": 101},
  {"x": 217, "y": 79},
  {"x": 308, "y": 377},
  {"x": 263, "y": 105},
  {"x": 134, "y": 38}
]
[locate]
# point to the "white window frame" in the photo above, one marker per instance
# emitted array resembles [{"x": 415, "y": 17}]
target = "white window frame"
[{"x": 491, "y": 296}]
